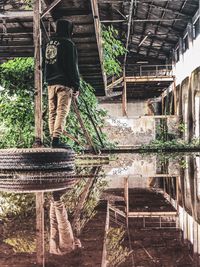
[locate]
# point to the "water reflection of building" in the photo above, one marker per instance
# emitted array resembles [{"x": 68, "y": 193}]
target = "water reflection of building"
[
  {"x": 159, "y": 193},
  {"x": 184, "y": 193},
  {"x": 153, "y": 200}
]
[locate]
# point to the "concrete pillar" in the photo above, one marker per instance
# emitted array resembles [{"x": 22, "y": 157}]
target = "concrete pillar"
[
  {"x": 195, "y": 239},
  {"x": 185, "y": 225},
  {"x": 190, "y": 34},
  {"x": 180, "y": 49}
]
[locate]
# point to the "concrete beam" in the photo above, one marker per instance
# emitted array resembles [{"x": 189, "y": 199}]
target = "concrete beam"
[{"x": 138, "y": 79}]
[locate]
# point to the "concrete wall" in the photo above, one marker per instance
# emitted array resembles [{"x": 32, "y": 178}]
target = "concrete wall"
[
  {"x": 139, "y": 169},
  {"x": 188, "y": 201},
  {"x": 188, "y": 102},
  {"x": 189, "y": 61},
  {"x": 187, "y": 72},
  {"x": 130, "y": 131},
  {"x": 135, "y": 108},
  {"x": 134, "y": 182}
]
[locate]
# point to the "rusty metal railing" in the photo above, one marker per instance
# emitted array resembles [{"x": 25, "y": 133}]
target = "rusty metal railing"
[{"x": 152, "y": 70}]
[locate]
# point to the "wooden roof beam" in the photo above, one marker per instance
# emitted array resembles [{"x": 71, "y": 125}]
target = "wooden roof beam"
[
  {"x": 97, "y": 26},
  {"x": 152, "y": 49},
  {"x": 50, "y": 7},
  {"x": 161, "y": 27},
  {"x": 184, "y": 3},
  {"x": 172, "y": 10},
  {"x": 16, "y": 14},
  {"x": 128, "y": 31},
  {"x": 138, "y": 1},
  {"x": 156, "y": 30},
  {"x": 158, "y": 20},
  {"x": 156, "y": 38},
  {"x": 142, "y": 39}
]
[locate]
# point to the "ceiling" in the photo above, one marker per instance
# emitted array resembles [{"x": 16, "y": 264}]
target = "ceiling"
[
  {"x": 16, "y": 34},
  {"x": 155, "y": 29}
]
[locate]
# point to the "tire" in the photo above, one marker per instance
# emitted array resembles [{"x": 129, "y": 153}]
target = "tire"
[
  {"x": 21, "y": 181},
  {"x": 36, "y": 159},
  {"x": 33, "y": 186}
]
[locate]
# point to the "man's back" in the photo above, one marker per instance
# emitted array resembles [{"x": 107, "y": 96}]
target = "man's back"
[{"x": 61, "y": 58}]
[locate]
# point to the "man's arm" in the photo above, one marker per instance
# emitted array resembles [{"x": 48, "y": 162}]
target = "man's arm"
[
  {"x": 75, "y": 76},
  {"x": 73, "y": 71}
]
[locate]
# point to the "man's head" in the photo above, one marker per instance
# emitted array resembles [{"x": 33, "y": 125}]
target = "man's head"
[{"x": 64, "y": 28}]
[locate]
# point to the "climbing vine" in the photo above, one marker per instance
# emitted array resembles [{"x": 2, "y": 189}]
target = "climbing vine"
[{"x": 113, "y": 48}]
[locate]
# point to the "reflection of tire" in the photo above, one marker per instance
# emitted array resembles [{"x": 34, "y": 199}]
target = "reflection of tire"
[
  {"x": 36, "y": 186},
  {"x": 36, "y": 159},
  {"x": 21, "y": 181}
]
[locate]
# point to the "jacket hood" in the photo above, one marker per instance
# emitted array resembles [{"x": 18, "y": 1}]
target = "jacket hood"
[{"x": 64, "y": 28}]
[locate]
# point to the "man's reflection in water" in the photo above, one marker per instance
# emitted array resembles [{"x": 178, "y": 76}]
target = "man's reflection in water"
[{"x": 62, "y": 239}]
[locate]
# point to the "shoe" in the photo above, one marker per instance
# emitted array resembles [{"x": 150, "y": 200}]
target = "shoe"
[{"x": 57, "y": 144}]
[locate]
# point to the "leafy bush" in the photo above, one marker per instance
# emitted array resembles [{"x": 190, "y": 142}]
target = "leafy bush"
[{"x": 17, "y": 103}]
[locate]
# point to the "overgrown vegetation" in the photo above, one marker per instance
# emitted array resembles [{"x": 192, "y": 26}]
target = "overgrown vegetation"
[
  {"x": 17, "y": 211},
  {"x": 166, "y": 140},
  {"x": 113, "y": 48},
  {"x": 117, "y": 253},
  {"x": 17, "y": 103},
  {"x": 174, "y": 144},
  {"x": 17, "y": 109}
]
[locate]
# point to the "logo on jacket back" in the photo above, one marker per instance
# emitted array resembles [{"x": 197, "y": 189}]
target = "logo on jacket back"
[{"x": 51, "y": 52}]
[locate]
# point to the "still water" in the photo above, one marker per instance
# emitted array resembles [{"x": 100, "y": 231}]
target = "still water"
[{"x": 133, "y": 211}]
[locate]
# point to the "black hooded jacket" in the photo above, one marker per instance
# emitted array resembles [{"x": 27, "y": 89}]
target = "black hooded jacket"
[{"x": 61, "y": 58}]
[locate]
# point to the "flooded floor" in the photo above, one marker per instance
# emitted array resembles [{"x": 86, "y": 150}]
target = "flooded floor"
[{"x": 136, "y": 211}]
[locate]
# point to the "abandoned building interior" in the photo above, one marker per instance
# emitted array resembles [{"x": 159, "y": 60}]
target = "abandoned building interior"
[{"x": 138, "y": 209}]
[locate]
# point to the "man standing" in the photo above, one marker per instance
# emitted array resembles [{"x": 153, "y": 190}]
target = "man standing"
[{"x": 62, "y": 76}]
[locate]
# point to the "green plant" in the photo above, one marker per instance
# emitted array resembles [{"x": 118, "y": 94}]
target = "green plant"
[
  {"x": 182, "y": 127},
  {"x": 116, "y": 252},
  {"x": 15, "y": 205},
  {"x": 27, "y": 4},
  {"x": 170, "y": 145},
  {"x": 112, "y": 49},
  {"x": 22, "y": 242},
  {"x": 183, "y": 163}
]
